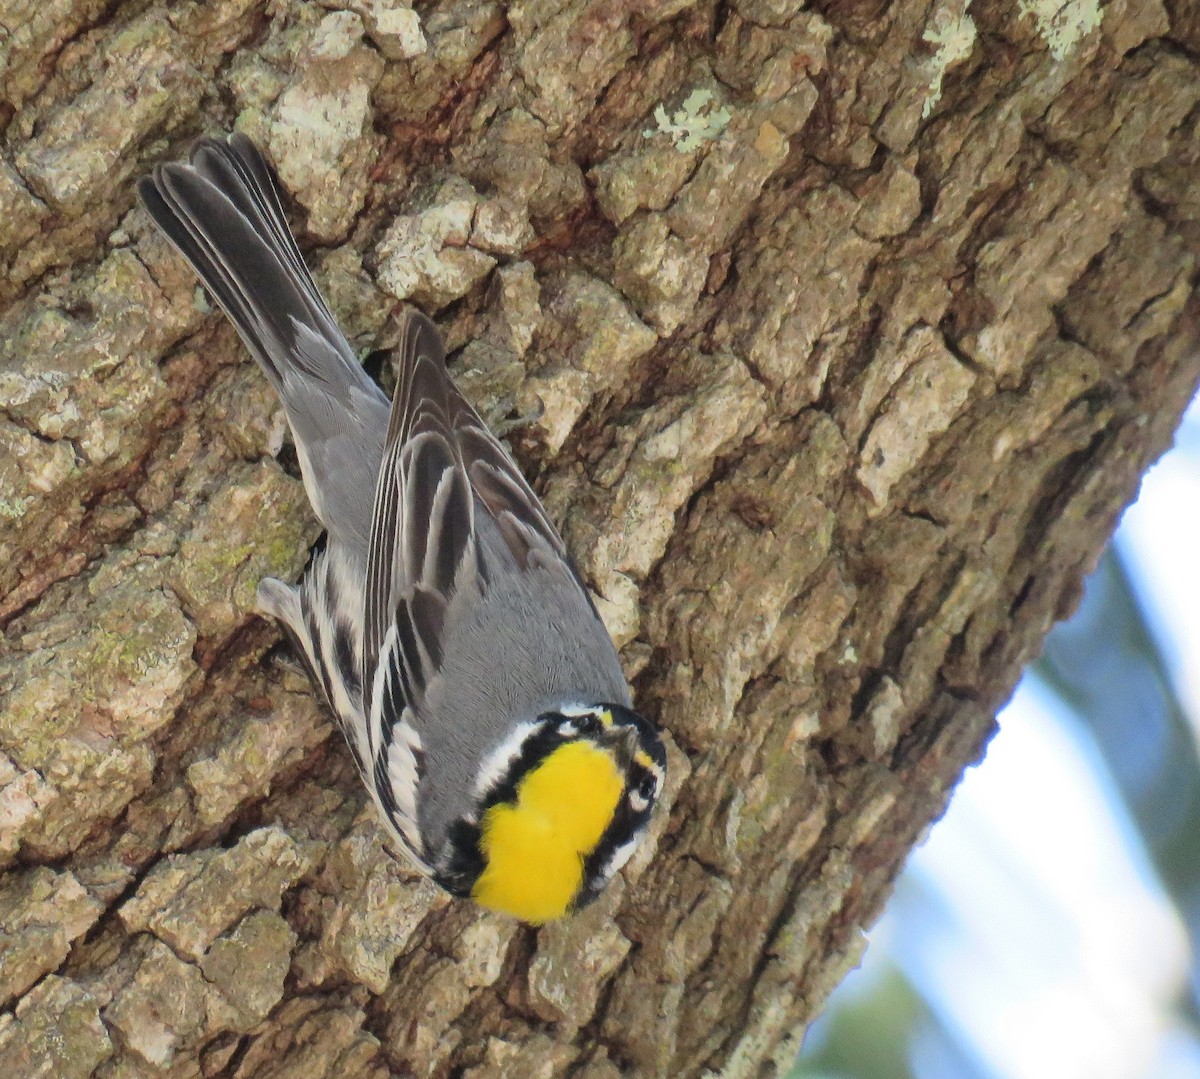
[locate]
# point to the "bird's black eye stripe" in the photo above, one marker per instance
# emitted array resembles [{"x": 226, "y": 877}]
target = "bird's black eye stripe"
[
  {"x": 571, "y": 725},
  {"x": 625, "y": 826}
]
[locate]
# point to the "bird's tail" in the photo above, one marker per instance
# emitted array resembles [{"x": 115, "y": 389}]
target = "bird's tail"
[{"x": 222, "y": 211}]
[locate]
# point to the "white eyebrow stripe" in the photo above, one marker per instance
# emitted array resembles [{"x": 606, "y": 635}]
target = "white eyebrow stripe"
[
  {"x": 497, "y": 763},
  {"x": 575, "y": 711}
]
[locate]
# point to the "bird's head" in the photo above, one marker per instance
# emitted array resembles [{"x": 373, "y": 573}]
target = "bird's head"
[{"x": 562, "y": 804}]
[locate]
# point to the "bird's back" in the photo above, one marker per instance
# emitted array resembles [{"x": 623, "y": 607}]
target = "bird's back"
[{"x": 527, "y": 640}]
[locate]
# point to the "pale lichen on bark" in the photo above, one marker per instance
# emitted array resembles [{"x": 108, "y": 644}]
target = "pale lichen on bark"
[{"x": 835, "y": 387}]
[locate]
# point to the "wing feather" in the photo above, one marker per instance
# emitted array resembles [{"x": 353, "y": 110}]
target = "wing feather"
[
  {"x": 498, "y": 483},
  {"x": 441, "y": 467},
  {"x": 422, "y": 531},
  {"x": 500, "y": 486}
]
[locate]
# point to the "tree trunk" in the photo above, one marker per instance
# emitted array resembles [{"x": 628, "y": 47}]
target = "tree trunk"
[{"x": 853, "y": 328}]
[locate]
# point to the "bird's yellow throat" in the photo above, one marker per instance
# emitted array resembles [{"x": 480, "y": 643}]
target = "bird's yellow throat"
[{"x": 534, "y": 848}]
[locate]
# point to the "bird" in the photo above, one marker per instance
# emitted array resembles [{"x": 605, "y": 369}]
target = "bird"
[{"x": 443, "y": 618}]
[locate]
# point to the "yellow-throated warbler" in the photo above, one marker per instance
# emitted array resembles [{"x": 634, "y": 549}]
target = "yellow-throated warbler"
[{"x": 480, "y": 694}]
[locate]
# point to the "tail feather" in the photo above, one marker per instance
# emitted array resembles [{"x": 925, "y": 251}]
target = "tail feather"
[{"x": 222, "y": 211}]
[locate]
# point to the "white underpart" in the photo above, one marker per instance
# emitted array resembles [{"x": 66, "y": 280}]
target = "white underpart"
[
  {"x": 620, "y": 856},
  {"x": 404, "y": 778},
  {"x": 325, "y": 629},
  {"x": 351, "y": 592}
]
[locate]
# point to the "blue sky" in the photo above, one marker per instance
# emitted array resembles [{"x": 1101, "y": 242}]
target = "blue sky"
[{"x": 1032, "y": 921}]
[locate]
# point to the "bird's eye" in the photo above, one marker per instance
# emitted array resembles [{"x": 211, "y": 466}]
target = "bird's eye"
[
  {"x": 587, "y": 723},
  {"x": 647, "y": 786}
]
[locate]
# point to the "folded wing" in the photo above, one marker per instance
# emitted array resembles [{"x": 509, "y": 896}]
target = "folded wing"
[{"x": 441, "y": 469}]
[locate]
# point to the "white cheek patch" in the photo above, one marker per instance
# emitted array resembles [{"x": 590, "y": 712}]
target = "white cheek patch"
[
  {"x": 637, "y": 802},
  {"x": 620, "y": 856}
]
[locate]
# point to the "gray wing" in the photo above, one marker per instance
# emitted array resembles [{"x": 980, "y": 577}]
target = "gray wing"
[
  {"x": 422, "y": 549},
  {"x": 444, "y": 476},
  {"x": 423, "y": 526},
  {"x": 441, "y": 466}
]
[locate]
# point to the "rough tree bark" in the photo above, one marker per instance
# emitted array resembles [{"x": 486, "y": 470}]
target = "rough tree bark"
[{"x": 854, "y": 325}]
